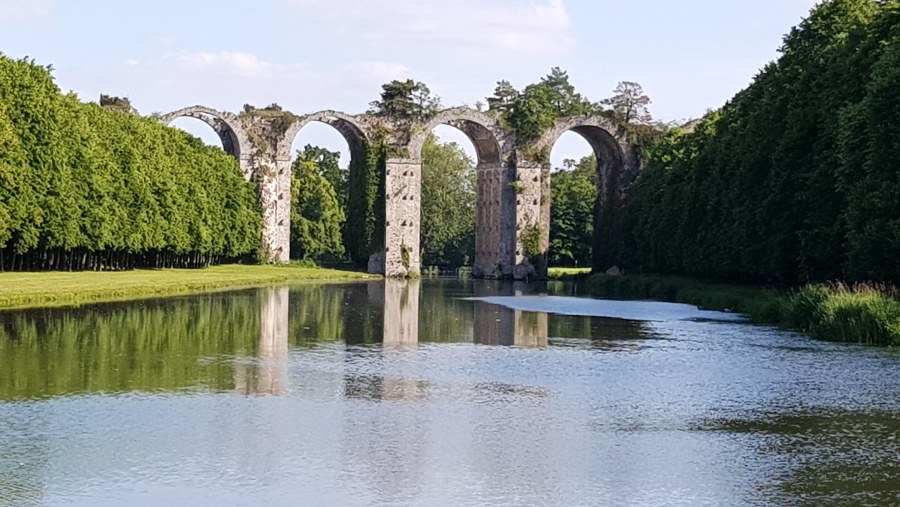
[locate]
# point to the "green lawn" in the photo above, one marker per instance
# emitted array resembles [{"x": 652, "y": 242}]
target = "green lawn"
[
  {"x": 22, "y": 290},
  {"x": 561, "y": 272}
]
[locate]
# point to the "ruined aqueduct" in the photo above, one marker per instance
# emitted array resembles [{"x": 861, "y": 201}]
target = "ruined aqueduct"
[{"x": 513, "y": 182}]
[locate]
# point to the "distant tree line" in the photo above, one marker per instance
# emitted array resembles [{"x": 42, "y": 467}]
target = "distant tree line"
[
  {"x": 797, "y": 178},
  {"x": 83, "y": 187}
]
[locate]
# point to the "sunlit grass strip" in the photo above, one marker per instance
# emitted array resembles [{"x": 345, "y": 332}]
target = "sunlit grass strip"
[
  {"x": 23, "y": 290},
  {"x": 567, "y": 272}
]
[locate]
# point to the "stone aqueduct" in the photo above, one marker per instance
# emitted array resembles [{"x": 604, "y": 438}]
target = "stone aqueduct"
[{"x": 513, "y": 181}]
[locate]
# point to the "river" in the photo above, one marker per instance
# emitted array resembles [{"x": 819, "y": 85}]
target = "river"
[{"x": 439, "y": 392}]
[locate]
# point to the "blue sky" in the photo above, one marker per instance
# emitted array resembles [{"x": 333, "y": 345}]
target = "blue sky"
[{"x": 309, "y": 55}]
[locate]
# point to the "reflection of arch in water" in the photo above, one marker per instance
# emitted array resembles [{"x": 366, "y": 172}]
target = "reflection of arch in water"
[
  {"x": 267, "y": 373},
  {"x": 228, "y": 127},
  {"x": 495, "y": 197}
]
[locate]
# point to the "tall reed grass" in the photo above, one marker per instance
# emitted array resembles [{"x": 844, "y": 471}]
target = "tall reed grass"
[{"x": 859, "y": 313}]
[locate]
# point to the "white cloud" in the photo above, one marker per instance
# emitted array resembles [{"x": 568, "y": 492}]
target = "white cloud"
[
  {"x": 26, "y": 10},
  {"x": 222, "y": 63},
  {"x": 227, "y": 80},
  {"x": 472, "y": 28}
]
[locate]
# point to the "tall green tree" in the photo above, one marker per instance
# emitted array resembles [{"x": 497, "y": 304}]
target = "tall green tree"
[
  {"x": 793, "y": 179},
  {"x": 316, "y": 213},
  {"x": 85, "y": 187},
  {"x": 448, "y": 204},
  {"x": 573, "y": 190}
]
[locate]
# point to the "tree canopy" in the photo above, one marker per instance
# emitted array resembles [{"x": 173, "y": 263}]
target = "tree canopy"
[
  {"x": 406, "y": 100},
  {"x": 573, "y": 190},
  {"x": 83, "y": 187},
  {"x": 448, "y": 204},
  {"x": 532, "y": 111},
  {"x": 317, "y": 215},
  {"x": 795, "y": 179}
]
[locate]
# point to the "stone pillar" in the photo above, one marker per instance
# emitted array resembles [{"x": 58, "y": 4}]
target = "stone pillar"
[
  {"x": 532, "y": 211},
  {"x": 494, "y": 222},
  {"x": 273, "y": 179},
  {"x": 403, "y": 217}
]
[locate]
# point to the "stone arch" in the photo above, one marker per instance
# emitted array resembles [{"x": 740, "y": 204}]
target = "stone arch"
[
  {"x": 353, "y": 131},
  {"x": 606, "y": 140},
  {"x": 494, "y": 200},
  {"x": 610, "y": 146},
  {"x": 228, "y": 127},
  {"x": 481, "y": 128}
]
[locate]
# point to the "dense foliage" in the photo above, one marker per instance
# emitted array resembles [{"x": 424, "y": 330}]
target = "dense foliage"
[
  {"x": 448, "y": 204},
  {"x": 365, "y": 210},
  {"x": 796, "y": 178},
  {"x": 317, "y": 215},
  {"x": 82, "y": 187},
  {"x": 573, "y": 191},
  {"x": 406, "y": 100},
  {"x": 533, "y": 111}
]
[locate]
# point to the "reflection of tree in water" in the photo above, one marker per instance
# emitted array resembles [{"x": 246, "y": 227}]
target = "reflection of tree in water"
[
  {"x": 826, "y": 457},
  {"x": 317, "y": 312},
  {"x": 152, "y": 345},
  {"x": 445, "y": 316}
]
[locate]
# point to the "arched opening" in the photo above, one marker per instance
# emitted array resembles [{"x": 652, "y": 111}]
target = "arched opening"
[
  {"x": 449, "y": 201},
  {"x": 597, "y": 178},
  {"x": 573, "y": 194},
  {"x": 199, "y": 129},
  {"x": 192, "y": 121},
  {"x": 475, "y": 141},
  {"x": 329, "y": 160}
]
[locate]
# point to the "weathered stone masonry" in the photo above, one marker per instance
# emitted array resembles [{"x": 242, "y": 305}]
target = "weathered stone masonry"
[{"x": 513, "y": 182}]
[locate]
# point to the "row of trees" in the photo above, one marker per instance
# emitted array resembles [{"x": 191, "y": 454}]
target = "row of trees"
[
  {"x": 796, "y": 178},
  {"x": 83, "y": 187}
]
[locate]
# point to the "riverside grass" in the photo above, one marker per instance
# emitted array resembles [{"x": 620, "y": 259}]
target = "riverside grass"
[
  {"x": 864, "y": 313},
  {"x": 30, "y": 290}
]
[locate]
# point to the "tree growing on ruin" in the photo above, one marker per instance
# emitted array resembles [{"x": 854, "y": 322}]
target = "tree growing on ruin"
[
  {"x": 410, "y": 100},
  {"x": 630, "y": 104}
]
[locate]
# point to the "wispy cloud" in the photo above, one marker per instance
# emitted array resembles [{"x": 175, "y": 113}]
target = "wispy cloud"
[
  {"x": 26, "y": 10},
  {"x": 226, "y": 80},
  {"x": 472, "y": 28}
]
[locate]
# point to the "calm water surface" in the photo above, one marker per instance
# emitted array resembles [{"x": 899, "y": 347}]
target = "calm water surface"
[{"x": 436, "y": 393}]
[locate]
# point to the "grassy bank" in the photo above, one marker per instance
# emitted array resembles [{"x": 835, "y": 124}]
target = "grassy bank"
[
  {"x": 22, "y": 290},
  {"x": 853, "y": 314},
  {"x": 557, "y": 273}
]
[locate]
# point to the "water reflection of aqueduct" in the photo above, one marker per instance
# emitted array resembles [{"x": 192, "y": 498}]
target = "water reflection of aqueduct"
[
  {"x": 267, "y": 372},
  {"x": 513, "y": 186}
]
